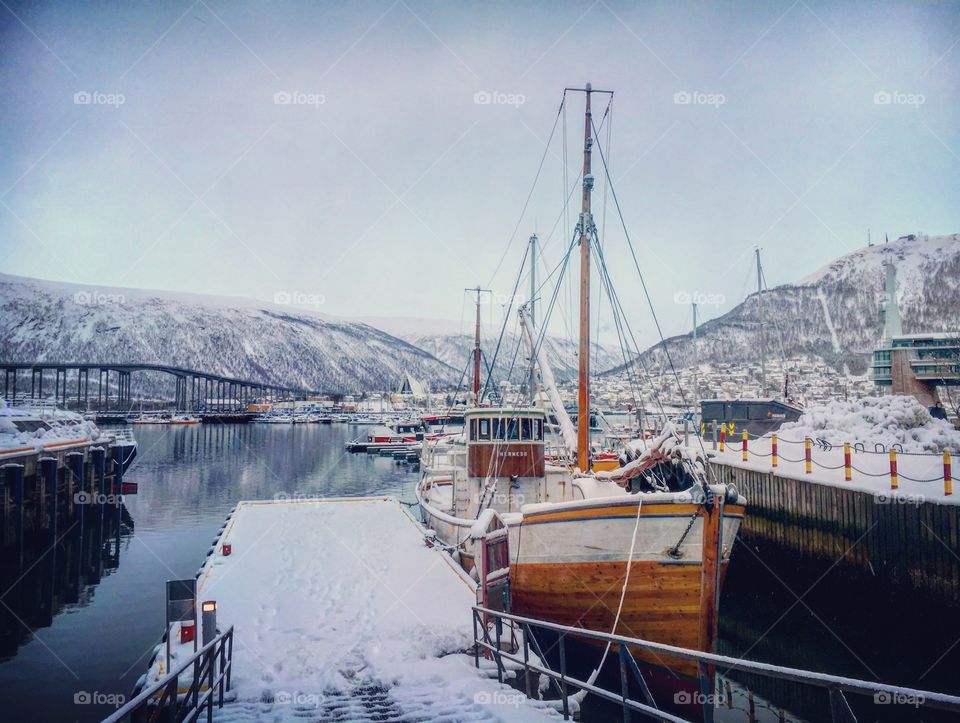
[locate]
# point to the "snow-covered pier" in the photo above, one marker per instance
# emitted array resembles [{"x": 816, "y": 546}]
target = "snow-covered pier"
[{"x": 342, "y": 612}]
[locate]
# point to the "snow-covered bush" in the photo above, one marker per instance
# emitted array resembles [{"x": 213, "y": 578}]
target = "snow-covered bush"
[{"x": 888, "y": 420}]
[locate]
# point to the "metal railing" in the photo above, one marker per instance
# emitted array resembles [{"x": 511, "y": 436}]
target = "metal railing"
[
  {"x": 561, "y": 681},
  {"x": 212, "y": 666}
]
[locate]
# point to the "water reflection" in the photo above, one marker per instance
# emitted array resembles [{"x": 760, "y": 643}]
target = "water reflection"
[
  {"x": 95, "y": 621},
  {"x": 43, "y": 570}
]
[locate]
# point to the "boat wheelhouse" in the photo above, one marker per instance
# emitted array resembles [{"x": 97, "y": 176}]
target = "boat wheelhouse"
[{"x": 505, "y": 443}]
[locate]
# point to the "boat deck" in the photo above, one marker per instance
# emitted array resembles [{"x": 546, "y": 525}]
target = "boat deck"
[{"x": 341, "y": 612}]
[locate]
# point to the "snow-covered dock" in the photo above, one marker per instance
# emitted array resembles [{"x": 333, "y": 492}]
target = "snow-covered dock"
[
  {"x": 920, "y": 477},
  {"x": 341, "y": 612}
]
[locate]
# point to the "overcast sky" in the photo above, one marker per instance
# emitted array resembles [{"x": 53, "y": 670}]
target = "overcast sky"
[{"x": 344, "y": 152}]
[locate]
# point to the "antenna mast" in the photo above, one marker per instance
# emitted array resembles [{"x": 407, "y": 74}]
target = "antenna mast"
[
  {"x": 763, "y": 359},
  {"x": 696, "y": 359},
  {"x": 476, "y": 348}
]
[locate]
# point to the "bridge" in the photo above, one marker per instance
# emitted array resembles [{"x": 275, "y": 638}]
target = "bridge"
[{"x": 195, "y": 390}]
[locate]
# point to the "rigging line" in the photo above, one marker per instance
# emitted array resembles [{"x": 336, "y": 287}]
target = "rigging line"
[
  {"x": 783, "y": 353},
  {"x": 546, "y": 149},
  {"x": 514, "y": 359},
  {"x": 615, "y": 302},
  {"x": 618, "y": 322},
  {"x": 606, "y": 184},
  {"x": 643, "y": 283},
  {"x": 646, "y": 293},
  {"x": 638, "y": 358},
  {"x": 543, "y": 328},
  {"x": 506, "y": 318},
  {"x": 634, "y": 386},
  {"x": 603, "y": 234},
  {"x": 549, "y": 237},
  {"x": 460, "y": 383}
]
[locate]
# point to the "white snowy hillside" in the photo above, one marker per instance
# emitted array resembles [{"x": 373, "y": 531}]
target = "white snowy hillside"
[
  {"x": 452, "y": 342},
  {"x": 59, "y": 322},
  {"x": 834, "y": 313},
  {"x": 885, "y": 420}
]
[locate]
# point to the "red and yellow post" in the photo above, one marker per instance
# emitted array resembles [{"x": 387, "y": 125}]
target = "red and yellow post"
[
  {"x": 773, "y": 451},
  {"x": 744, "y": 445},
  {"x": 894, "y": 479},
  {"x": 808, "y": 454},
  {"x": 847, "y": 465},
  {"x": 947, "y": 475}
]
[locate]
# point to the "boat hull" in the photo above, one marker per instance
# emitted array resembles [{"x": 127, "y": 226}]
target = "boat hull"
[
  {"x": 570, "y": 567},
  {"x": 662, "y": 602}
]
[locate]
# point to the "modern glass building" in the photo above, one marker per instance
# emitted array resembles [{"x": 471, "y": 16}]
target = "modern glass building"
[{"x": 917, "y": 364}]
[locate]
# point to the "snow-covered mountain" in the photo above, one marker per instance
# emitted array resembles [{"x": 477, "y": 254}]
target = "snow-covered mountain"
[
  {"x": 833, "y": 313},
  {"x": 274, "y": 343},
  {"x": 452, "y": 342}
]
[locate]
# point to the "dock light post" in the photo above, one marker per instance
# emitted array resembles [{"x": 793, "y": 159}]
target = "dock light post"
[
  {"x": 208, "y": 620},
  {"x": 847, "y": 466},
  {"x": 947, "y": 477},
  {"x": 808, "y": 454},
  {"x": 773, "y": 451},
  {"x": 744, "y": 445},
  {"x": 894, "y": 479}
]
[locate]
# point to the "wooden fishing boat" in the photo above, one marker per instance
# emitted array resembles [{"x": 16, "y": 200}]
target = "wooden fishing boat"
[{"x": 636, "y": 546}]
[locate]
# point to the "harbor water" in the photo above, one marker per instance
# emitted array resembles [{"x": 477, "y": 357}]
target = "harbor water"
[{"x": 79, "y": 619}]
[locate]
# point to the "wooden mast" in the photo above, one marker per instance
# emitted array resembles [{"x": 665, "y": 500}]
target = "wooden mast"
[{"x": 586, "y": 229}]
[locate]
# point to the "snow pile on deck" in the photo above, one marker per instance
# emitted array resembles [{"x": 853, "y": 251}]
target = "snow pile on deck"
[
  {"x": 64, "y": 426},
  {"x": 886, "y": 420}
]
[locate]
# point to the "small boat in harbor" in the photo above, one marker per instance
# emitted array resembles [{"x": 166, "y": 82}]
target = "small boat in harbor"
[
  {"x": 151, "y": 419},
  {"x": 184, "y": 419}
]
